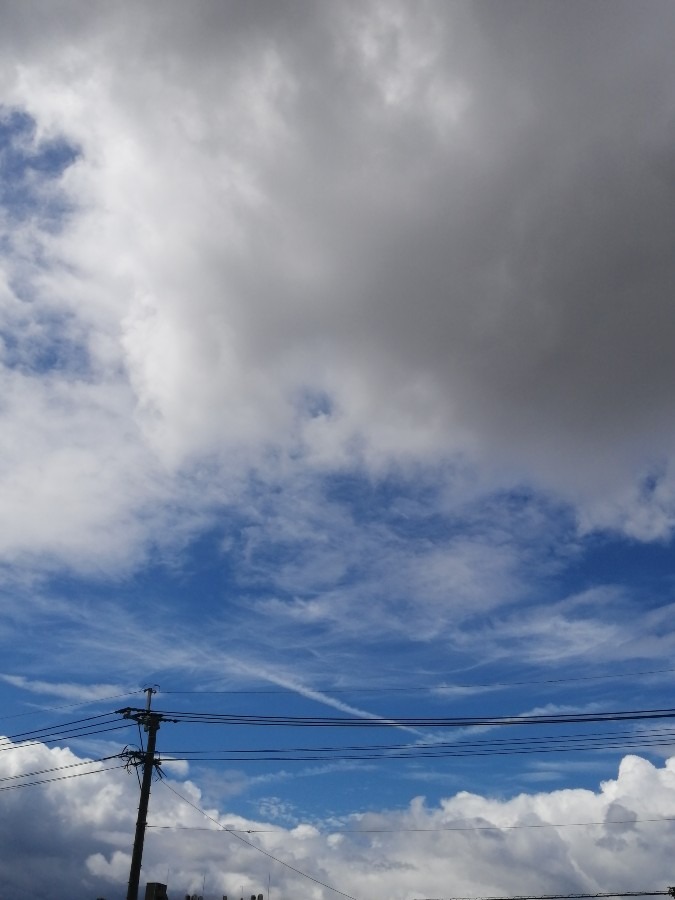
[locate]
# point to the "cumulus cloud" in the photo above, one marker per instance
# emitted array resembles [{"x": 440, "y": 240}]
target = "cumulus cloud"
[{"x": 74, "y": 839}]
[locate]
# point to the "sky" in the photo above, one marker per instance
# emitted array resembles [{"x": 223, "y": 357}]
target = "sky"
[{"x": 336, "y": 381}]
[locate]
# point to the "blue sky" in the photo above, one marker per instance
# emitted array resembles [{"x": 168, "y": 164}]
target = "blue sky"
[{"x": 336, "y": 348}]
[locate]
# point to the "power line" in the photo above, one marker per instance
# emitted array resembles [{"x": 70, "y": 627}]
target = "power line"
[
  {"x": 670, "y": 891},
  {"x": 433, "y": 688},
  {"x": 596, "y": 740},
  {"x": 259, "y": 849},
  {"x": 443, "y": 828},
  {"x": 668, "y": 732},
  {"x": 63, "y": 727},
  {"x": 36, "y": 712},
  {"x": 412, "y": 752},
  {"x": 59, "y": 738},
  {"x": 665, "y": 734},
  {"x": 214, "y": 718},
  {"x": 86, "y": 762},
  {"x": 13, "y": 787}
]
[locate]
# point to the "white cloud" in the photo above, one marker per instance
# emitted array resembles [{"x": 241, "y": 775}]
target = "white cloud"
[{"x": 76, "y": 839}]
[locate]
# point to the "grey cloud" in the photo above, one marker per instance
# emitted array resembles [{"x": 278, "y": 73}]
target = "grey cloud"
[
  {"x": 503, "y": 279},
  {"x": 525, "y": 273},
  {"x": 451, "y": 222}
]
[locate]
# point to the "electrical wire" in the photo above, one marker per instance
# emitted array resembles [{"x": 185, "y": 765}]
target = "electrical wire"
[
  {"x": 86, "y": 762},
  {"x": 443, "y": 828},
  {"x": 20, "y": 745},
  {"x": 36, "y": 712},
  {"x": 441, "y": 751},
  {"x": 435, "y": 689},
  {"x": 653, "y": 737},
  {"x": 668, "y": 732},
  {"x": 592, "y": 739},
  {"x": 253, "y": 846},
  {"x": 86, "y": 727},
  {"x": 207, "y": 718},
  {"x": 63, "y": 726},
  {"x": 669, "y": 892},
  {"x": 13, "y": 787}
]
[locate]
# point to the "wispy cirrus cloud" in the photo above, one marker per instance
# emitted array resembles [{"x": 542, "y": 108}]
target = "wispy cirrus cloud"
[{"x": 80, "y": 693}]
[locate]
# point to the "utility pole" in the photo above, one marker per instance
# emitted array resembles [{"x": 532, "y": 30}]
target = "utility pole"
[{"x": 150, "y": 722}]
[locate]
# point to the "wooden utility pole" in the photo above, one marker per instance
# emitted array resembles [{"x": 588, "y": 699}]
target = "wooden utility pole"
[{"x": 150, "y": 722}]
